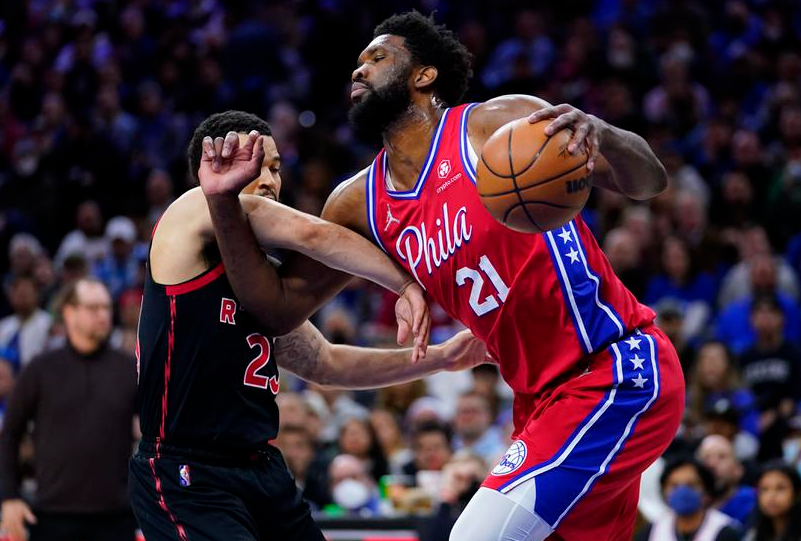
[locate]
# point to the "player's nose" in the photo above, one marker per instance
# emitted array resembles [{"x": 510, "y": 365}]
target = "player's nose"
[{"x": 359, "y": 74}]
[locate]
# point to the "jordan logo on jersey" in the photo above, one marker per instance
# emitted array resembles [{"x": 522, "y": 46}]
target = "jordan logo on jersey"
[
  {"x": 390, "y": 219},
  {"x": 415, "y": 245}
]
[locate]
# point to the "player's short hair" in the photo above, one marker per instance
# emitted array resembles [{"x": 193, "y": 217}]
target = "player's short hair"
[
  {"x": 217, "y": 125},
  {"x": 431, "y": 44},
  {"x": 704, "y": 473}
]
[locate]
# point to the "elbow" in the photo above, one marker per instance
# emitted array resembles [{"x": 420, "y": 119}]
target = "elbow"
[{"x": 658, "y": 182}]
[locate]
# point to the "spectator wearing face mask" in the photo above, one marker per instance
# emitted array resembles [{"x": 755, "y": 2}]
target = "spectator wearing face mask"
[
  {"x": 778, "y": 514},
  {"x": 733, "y": 498},
  {"x": 687, "y": 488},
  {"x": 352, "y": 488}
]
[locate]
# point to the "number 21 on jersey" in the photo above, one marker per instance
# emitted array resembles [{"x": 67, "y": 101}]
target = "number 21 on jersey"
[{"x": 491, "y": 301}]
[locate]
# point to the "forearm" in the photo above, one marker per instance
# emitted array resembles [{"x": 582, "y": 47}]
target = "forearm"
[
  {"x": 634, "y": 169},
  {"x": 307, "y": 354},
  {"x": 253, "y": 278},
  {"x": 350, "y": 367},
  {"x": 343, "y": 250}
]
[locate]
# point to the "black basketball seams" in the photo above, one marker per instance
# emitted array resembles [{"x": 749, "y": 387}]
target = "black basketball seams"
[
  {"x": 514, "y": 181},
  {"x": 523, "y": 204},
  {"x": 511, "y": 166}
]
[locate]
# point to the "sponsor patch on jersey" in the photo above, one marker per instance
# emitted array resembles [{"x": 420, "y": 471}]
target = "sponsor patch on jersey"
[
  {"x": 183, "y": 473},
  {"x": 512, "y": 460},
  {"x": 444, "y": 168}
]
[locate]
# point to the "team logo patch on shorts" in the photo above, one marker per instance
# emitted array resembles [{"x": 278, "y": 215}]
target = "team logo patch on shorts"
[
  {"x": 183, "y": 473},
  {"x": 512, "y": 460}
]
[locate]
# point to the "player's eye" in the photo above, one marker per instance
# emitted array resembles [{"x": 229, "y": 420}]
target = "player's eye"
[{"x": 377, "y": 59}]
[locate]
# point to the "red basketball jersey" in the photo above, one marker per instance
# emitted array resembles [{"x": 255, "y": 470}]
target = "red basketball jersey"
[{"x": 541, "y": 302}]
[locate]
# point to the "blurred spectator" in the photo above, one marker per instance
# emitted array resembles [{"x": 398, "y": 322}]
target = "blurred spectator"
[
  {"x": 670, "y": 319},
  {"x": 335, "y": 408},
  {"x": 124, "y": 335},
  {"x": 352, "y": 487},
  {"x": 298, "y": 449},
  {"x": 87, "y": 239},
  {"x": 526, "y": 56},
  {"x": 159, "y": 191},
  {"x": 120, "y": 269},
  {"x": 431, "y": 444},
  {"x": 734, "y": 323},
  {"x": 732, "y": 497},
  {"x": 715, "y": 377},
  {"x": 23, "y": 252},
  {"x": 772, "y": 370},
  {"x": 390, "y": 437},
  {"x": 682, "y": 281},
  {"x": 81, "y": 400},
  {"x": 397, "y": 399},
  {"x": 461, "y": 477},
  {"x": 722, "y": 419},
  {"x": 7, "y": 379},
  {"x": 357, "y": 438},
  {"x": 24, "y": 331},
  {"x": 778, "y": 514},
  {"x": 622, "y": 247},
  {"x": 473, "y": 430},
  {"x": 486, "y": 382},
  {"x": 688, "y": 488},
  {"x": 753, "y": 274}
]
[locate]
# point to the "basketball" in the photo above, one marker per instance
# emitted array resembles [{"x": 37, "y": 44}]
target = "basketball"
[{"x": 528, "y": 180}]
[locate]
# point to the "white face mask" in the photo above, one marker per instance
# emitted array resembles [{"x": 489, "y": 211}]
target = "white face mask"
[
  {"x": 790, "y": 452},
  {"x": 351, "y": 494}
]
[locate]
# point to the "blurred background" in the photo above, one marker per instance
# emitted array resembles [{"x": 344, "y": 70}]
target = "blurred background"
[{"x": 98, "y": 100}]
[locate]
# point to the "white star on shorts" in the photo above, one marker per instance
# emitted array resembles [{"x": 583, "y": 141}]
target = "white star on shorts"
[
  {"x": 639, "y": 381},
  {"x": 573, "y": 255},
  {"x": 633, "y": 343},
  {"x": 565, "y": 236},
  {"x": 637, "y": 362}
]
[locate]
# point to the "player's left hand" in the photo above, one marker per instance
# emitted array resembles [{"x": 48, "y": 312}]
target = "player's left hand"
[
  {"x": 463, "y": 351},
  {"x": 226, "y": 167},
  {"x": 413, "y": 316},
  {"x": 587, "y": 129}
]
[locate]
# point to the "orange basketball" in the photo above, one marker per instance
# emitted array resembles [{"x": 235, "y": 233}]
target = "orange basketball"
[{"x": 529, "y": 181}]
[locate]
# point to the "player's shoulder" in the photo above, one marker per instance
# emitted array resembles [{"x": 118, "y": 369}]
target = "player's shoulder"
[
  {"x": 490, "y": 115},
  {"x": 346, "y": 204}
]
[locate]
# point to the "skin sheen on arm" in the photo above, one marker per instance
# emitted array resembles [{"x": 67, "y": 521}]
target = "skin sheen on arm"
[
  {"x": 306, "y": 353},
  {"x": 623, "y": 160}
]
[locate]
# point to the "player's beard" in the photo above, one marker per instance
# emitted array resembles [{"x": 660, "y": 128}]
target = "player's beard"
[{"x": 380, "y": 107}]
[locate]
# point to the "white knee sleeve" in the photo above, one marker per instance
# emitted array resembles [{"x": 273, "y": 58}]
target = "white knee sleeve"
[{"x": 492, "y": 516}]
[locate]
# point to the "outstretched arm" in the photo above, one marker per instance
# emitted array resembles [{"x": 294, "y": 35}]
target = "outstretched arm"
[
  {"x": 620, "y": 160},
  {"x": 306, "y": 353},
  {"x": 224, "y": 170}
]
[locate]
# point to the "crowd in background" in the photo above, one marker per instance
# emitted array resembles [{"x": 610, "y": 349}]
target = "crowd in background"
[{"x": 98, "y": 99}]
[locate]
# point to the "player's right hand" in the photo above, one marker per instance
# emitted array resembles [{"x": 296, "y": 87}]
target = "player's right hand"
[
  {"x": 15, "y": 514},
  {"x": 463, "y": 351},
  {"x": 226, "y": 167}
]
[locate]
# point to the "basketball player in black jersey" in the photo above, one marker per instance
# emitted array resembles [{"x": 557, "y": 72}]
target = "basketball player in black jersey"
[{"x": 208, "y": 367}]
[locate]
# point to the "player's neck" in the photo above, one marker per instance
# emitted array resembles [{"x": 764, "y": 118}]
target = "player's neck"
[{"x": 407, "y": 143}]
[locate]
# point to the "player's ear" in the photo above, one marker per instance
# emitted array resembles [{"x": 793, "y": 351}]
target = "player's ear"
[{"x": 425, "y": 77}]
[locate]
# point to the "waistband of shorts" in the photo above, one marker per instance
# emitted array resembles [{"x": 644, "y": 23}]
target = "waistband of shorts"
[{"x": 155, "y": 449}]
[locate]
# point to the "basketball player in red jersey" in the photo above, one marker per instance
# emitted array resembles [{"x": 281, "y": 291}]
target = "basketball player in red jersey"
[{"x": 598, "y": 388}]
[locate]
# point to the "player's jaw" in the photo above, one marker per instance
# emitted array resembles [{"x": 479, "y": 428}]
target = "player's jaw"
[{"x": 376, "y": 107}]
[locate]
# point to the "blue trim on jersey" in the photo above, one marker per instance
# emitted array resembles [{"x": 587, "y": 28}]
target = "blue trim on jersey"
[
  {"x": 574, "y": 469},
  {"x": 597, "y": 324},
  {"x": 464, "y": 141},
  {"x": 370, "y": 201},
  {"x": 414, "y": 193}
]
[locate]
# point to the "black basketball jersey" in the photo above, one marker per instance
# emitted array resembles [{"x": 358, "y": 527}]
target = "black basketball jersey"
[{"x": 207, "y": 376}]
